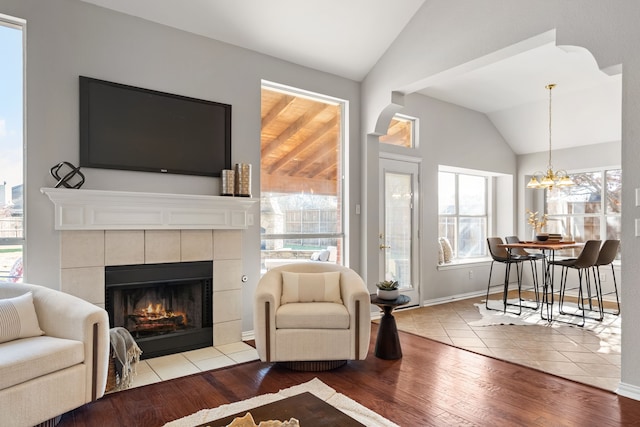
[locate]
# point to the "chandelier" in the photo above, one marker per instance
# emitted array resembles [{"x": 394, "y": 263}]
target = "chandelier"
[{"x": 550, "y": 179}]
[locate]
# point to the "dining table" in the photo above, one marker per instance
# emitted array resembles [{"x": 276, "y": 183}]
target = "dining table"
[{"x": 548, "y": 249}]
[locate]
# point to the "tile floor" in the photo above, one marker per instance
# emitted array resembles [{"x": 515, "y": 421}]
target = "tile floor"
[
  {"x": 163, "y": 368},
  {"x": 589, "y": 355}
]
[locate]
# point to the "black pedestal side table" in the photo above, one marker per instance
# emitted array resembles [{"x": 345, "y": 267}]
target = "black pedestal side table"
[{"x": 388, "y": 342}]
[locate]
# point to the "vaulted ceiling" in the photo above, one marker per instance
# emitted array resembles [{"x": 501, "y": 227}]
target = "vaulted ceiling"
[
  {"x": 587, "y": 102},
  {"x": 340, "y": 37}
]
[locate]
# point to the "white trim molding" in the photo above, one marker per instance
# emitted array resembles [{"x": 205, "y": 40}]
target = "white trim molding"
[
  {"x": 628, "y": 390},
  {"x": 77, "y": 209},
  {"x": 248, "y": 335}
]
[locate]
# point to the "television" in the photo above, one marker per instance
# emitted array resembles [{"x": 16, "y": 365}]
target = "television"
[{"x": 130, "y": 128}]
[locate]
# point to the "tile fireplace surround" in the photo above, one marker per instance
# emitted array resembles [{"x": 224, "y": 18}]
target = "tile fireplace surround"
[{"x": 105, "y": 228}]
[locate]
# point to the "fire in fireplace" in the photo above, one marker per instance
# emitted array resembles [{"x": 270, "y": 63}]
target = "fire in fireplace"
[
  {"x": 166, "y": 307},
  {"x": 154, "y": 318}
]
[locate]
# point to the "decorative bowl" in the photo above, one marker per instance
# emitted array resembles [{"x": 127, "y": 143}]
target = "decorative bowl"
[{"x": 542, "y": 237}]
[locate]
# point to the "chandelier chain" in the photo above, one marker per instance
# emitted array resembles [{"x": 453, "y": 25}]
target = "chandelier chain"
[
  {"x": 551, "y": 178},
  {"x": 549, "y": 165}
]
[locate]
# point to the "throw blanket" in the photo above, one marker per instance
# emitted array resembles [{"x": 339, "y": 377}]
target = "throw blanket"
[{"x": 127, "y": 355}]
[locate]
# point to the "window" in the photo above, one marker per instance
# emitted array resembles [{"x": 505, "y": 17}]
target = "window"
[
  {"x": 401, "y": 132},
  {"x": 588, "y": 210},
  {"x": 301, "y": 177},
  {"x": 11, "y": 148},
  {"x": 463, "y": 213}
]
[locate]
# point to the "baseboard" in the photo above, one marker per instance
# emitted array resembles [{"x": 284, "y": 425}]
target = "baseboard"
[
  {"x": 460, "y": 297},
  {"x": 248, "y": 335},
  {"x": 628, "y": 390},
  {"x": 377, "y": 314}
]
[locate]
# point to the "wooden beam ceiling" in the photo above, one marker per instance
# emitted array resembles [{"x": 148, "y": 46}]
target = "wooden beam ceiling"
[{"x": 299, "y": 144}]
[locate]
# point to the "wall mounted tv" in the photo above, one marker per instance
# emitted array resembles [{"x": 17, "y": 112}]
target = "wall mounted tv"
[{"x": 130, "y": 128}]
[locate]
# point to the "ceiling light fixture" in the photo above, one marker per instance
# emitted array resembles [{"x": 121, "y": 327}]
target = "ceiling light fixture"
[{"x": 550, "y": 179}]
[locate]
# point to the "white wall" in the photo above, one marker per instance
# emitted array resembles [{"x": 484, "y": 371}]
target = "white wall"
[
  {"x": 448, "y": 36},
  {"x": 67, "y": 38}
]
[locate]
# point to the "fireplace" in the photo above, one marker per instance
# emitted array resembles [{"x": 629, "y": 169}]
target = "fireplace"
[
  {"x": 100, "y": 228},
  {"x": 166, "y": 307}
]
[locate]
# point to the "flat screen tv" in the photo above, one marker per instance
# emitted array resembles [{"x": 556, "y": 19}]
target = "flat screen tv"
[{"x": 130, "y": 128}]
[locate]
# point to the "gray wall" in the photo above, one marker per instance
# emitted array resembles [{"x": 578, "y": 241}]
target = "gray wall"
[
  {"x": 458, "y": 137},
  {"x": 67, "y": 38}
]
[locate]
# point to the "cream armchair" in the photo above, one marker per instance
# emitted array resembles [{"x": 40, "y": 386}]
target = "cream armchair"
[
  {"x": 54, "y": 353},
  {"x": 314, "y": 316}
]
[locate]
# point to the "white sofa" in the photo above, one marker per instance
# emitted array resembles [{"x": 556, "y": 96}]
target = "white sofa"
[
  {"x": 294, "y": 329},
  {"x": 44, "y": 376}
]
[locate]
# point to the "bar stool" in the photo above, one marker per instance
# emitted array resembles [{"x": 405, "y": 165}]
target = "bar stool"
[
  {"x": 583, "y": 263},
  {"x": 532, "y": 258},
  {"x": 607, "y": 255},
  {"x": 502, "y": 255}
]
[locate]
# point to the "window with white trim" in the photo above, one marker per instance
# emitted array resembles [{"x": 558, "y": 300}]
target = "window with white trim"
[
  {"x": 302, "y": 176},
  {"x": 11, "y": 148},
  {"x": 401, "y": 132},
  {"x": 463, "y": 213},
  {"x": 591, "y": 209}
]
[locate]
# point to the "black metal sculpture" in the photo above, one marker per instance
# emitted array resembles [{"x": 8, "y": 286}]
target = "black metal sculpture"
[{"x": 66, "y": 179}]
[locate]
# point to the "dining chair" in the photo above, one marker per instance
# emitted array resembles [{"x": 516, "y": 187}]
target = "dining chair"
[
  {"x": 502, "y": 255},
  {"x": 532, "y": 258},
  {"x": 583, "y": 264},
  {"x": 607, "y": 255}
]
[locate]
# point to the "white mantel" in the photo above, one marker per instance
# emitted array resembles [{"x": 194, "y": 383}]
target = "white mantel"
[{"x": 78, "y": 209}]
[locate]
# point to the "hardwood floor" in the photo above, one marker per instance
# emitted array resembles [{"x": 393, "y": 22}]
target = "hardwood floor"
[{"x": 432, "y": 385}]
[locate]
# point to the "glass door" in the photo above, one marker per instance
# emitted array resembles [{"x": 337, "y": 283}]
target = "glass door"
[{"x": 398, "y": 236}]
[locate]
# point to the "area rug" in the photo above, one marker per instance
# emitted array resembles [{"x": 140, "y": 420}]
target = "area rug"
[
  {"x": 496, "y": 316},
  {"x": 315, "y": 386}
]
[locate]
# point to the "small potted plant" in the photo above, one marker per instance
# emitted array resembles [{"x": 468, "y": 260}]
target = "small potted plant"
[{"x": 388, "y": 289}]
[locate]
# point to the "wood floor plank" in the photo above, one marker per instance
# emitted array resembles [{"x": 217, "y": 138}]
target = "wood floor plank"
[{"x": 432, "y": 385}]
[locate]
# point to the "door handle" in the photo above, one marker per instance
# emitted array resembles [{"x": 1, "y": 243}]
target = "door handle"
[{"x": 384, "y": 247}]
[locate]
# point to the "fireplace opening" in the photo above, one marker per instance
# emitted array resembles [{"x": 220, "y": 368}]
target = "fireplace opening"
[{"x": 167, "y": 308}]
